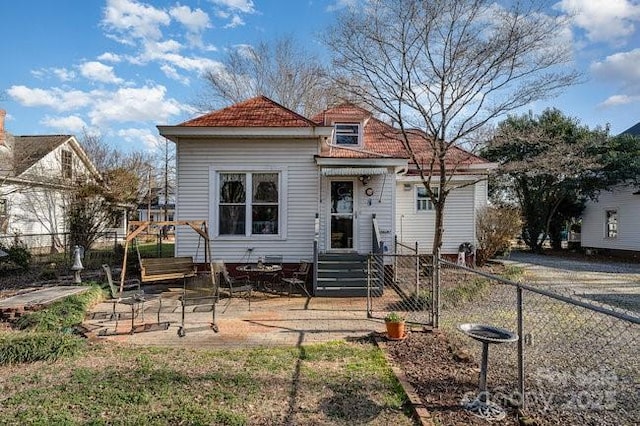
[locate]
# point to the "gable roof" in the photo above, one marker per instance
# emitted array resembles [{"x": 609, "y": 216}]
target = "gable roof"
[
  {"x": 255, "y": 112},
  {"x": 633, "y": 130},
  {"x": 28, "y": 150}
]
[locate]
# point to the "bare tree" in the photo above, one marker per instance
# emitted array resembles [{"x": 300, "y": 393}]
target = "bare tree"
[
  {"x": 447, "y": 68},
  {"x": 281, "y": 70},
  {"x": 125, "y": 173}
]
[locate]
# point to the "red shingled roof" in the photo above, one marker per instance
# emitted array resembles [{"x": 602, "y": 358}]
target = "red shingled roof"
[
  {"x": 383, "y": 140},
  {"x": 255, "y": 112}
]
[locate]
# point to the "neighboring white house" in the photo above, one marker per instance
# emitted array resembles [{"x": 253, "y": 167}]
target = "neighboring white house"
[
  {"x": 35, "y": 173},
  {"x": 613, "y": 221},
  {"x": 270, "y": 181}
]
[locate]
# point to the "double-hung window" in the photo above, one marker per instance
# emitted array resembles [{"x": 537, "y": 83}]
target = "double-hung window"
[
  {"x": 347, "y": 134},
  {"x": 67, "y": 164},
  {"x": 611, "y": 223},
  {"x": 423, "y": 201},
  {"x": 249, "y": 203}
]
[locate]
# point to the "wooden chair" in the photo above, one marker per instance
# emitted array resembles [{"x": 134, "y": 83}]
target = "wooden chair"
[
  {"x": 239, "y": 285},
  {"x": 299, "y": 278}
]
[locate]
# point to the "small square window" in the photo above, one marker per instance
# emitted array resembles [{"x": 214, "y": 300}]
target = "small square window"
[
  {"x": 423, "y": 202},
  {"x": 612, "y": 223},
  {"x": 347, "y": 134}
]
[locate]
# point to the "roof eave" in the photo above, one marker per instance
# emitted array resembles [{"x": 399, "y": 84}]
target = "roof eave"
[
  {"x": 174, "y": 133},
  {"x": 346, "y": 162}
]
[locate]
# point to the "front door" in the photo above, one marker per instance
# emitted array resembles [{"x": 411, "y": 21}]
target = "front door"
[{"x": 342, "y": 215}]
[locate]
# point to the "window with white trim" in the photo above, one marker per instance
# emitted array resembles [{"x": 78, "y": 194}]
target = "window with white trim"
[
  {"x": 347, "y": 134},
  {"x": 423, "y": 201},
  {"x": 611, "y": 223},
  {"x": 67, "y": 164},
  {"x": 249, "y": 203}
]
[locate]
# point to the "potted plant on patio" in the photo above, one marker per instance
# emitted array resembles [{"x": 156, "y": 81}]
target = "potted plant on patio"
[{"x": 395, "y": 326}]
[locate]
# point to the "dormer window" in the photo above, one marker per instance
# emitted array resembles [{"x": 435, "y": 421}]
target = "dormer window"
[{"x": 347, "y": 134}]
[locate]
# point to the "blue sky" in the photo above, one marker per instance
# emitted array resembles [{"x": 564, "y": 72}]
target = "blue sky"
[{"x": 120, "y": 67}]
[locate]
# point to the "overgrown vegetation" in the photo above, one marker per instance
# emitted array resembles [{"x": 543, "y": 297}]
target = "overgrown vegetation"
[
  {"x": 39, "y": 346},
  {"x": 18, "y": 254},
  {"x": 63, "y": 314},
  {"x": 47, "y": 335},
  {"x": 336, "y": 383},
  {"x": 495, "y": 228}
]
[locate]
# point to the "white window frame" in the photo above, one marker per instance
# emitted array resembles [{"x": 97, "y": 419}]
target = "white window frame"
[
  {"x": 611, "y": 223},
  {"x": 66, "y": 166},
  {"x": 214, "y": 207},
  {"x": 337, "y": 133},
  {"x": 423, "y": 200}
]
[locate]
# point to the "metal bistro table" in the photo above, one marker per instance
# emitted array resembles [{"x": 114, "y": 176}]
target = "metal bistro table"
[{"x": 259, "y": 272}]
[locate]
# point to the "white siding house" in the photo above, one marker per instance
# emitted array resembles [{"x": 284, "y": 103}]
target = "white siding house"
[
  {"x": 37, "y": 172},
  {"x": 329, "y": 177},
  {"x": 613, "y": 221},
  {"x": 415, "y": 216}
]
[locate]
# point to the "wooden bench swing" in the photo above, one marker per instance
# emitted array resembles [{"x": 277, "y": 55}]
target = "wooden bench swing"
[{"x": 177, "y": 268}]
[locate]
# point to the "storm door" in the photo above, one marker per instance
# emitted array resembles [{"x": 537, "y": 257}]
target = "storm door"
[{"x": 342, "y": 215}]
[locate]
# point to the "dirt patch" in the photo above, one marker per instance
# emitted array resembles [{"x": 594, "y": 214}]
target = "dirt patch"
[{"x": 442, "y": 375}]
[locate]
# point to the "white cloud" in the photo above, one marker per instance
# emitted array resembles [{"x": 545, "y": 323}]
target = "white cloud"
[
  {"x": 622, "y": 70},
  {"x": 244, "y": 6},
  {"x": 195, "y": 20},
  {"x": 617, "y": 100},
  {"x": 172, "y": 73},
  {"x": 145, "y": 103},
  {"x": 62, "y": 74},
  {"x": 621, "y": 67},
  {"x": 136, "y": 136},
  {"x": 55, "y": 98},
  {"x": 69, "y": 124},
  {"x": 603, "y": 21},
  {"x": 340, "y": 4},
  {"x": 236, "y": 21},
  {"x": 131, "y": 18},
  {"x": 110, "y": 57},
  {"x": 97, "y": 71}
]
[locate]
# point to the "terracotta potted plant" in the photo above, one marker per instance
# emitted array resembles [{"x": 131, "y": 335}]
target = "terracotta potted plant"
[{"x": 395, "y": 325}]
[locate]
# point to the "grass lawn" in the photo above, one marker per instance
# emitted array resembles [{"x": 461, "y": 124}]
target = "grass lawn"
[{"x": 337, "y": 383}]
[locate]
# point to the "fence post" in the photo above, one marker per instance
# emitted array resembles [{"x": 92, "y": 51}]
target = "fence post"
[
  {"x": 436, "y": 289},
  {"x": 395, "y": 259},
  {"x": 520, "y": 317},
  {"x": 369, "y": 314},
  {"x": 417, "y": 272}
]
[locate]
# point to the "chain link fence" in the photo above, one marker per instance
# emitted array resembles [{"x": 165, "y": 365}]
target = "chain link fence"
[
  {"x": 576, "y": 362},
  {"x": 407, "y": 286},
  {"x": 56, "y": 248}
]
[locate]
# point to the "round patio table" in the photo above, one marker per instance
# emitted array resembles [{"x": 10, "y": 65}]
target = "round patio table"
[{"x": 259, "y": 273}]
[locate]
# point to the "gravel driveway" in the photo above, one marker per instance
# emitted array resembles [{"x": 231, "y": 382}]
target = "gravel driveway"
[{"x": 613, "y": 284}]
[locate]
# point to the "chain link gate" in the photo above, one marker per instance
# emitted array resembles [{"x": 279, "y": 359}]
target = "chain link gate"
[{"x": 401, "y": 283}]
